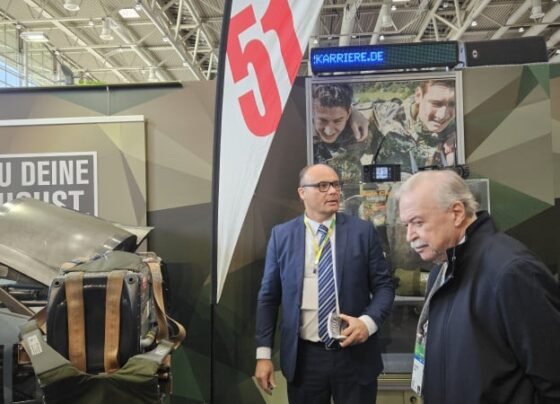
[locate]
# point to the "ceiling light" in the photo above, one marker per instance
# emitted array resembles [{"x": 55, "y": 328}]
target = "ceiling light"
[
  {"x": 72, "y": 5},
  {"x": 106, "y": 30},
  {"x": 34, "y": 36},
  {"x": 381, "y": 37},
  {"x": 474, "y": 23},
  {"x": 536, "y": 10},
  {"x": 521, "y": 29},
  {"x": 386, "y": 20},
  {"x": 165, "y": 39},
  {"x": 138, "y": 5},
  {"x": 315, "y": 41},
  {"x": 129, "y": 13},
  {"x": 445, "y": 4},
  {"x": 393, "y": 7},
  {"x": 536, "y": 13},
  {"x": 91, "y": 23}
]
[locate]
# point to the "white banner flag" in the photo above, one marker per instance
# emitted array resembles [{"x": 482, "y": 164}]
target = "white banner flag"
[{"x": 265, "y": 44}]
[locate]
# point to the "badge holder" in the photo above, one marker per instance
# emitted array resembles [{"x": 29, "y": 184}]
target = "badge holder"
[{"x": 335, "y": 325}]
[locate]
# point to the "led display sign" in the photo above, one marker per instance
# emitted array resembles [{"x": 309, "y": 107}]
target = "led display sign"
[{"x": 384, "y": 57}]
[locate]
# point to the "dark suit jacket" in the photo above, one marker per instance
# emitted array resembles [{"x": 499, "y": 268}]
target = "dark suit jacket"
[{"x": 364, "y": 282}]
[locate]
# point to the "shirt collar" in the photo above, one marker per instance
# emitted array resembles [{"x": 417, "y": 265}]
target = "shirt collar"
[{"x": 315, "y": 225}]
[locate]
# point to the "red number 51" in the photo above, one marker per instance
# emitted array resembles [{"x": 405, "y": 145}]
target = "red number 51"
[{"x": 278, "y": 17}]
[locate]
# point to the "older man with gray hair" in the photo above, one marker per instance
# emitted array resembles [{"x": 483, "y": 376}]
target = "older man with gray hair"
[{"x": 489, "y": 331}]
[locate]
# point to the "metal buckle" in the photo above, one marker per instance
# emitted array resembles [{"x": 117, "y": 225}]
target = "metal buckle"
[{"x": 332, "y": 345}]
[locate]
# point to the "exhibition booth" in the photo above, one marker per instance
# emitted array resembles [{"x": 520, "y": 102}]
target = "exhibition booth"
[{"x": 144, "y": 156}]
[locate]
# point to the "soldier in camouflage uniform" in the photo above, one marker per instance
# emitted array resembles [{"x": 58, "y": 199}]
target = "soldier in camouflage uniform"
[
  {"x": 335, "y": 141},
  {"x": 424, "y": 123}
]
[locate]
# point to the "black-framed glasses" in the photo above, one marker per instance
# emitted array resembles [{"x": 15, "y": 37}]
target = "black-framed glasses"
[{"x": 324, "y": 186}]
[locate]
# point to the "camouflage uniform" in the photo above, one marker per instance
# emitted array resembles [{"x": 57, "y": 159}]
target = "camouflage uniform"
[
  {"x": 344, "y": 155},
  {"x": 397, "y": 132}
]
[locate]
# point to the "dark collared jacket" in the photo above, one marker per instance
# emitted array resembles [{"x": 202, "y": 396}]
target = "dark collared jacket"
[{"x": 494, "y": 325}]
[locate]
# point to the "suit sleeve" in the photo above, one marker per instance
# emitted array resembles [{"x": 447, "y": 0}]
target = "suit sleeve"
[
  {"x": 381, "y": 283},
  {"x": 529, "y": 305},
  {"x": 269, "y": 297}
]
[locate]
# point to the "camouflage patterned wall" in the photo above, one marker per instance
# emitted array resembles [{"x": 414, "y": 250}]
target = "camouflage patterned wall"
[{"x": 512, "y": 137}]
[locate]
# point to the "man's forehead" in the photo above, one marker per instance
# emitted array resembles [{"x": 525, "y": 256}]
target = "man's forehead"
[
  {"x": 409, "y": 206},
  {"x": 440, "y": 90},
  {"x": 334, "y": 110},
  {"x": 322, "y": 174},
  {"x": 417, "y": 199},
  {"x": 323, "y": 177}
]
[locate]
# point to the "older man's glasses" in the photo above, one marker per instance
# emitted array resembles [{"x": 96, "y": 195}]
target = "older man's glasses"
[{"x": 324, "y": 186}]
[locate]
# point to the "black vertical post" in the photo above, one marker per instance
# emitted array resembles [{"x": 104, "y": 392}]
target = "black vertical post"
[{"x": 216, "y": 185}]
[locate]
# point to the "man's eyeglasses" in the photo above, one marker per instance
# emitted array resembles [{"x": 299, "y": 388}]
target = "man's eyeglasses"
[{"x": 324, "y": 186}]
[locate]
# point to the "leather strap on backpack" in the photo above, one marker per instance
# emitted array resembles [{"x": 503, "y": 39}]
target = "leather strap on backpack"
[
  {"x": 162, "y": 317},
  {"x": 157, "y": 283},
  {"x": 76, "y": 324},
  {"x": 112, "y": 319},
  {"x": 41, "y": 318}
]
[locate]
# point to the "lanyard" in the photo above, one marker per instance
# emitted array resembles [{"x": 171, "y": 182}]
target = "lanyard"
[
  {"x": 417, "y": 379},
  {"x": 318, "y": 249}
]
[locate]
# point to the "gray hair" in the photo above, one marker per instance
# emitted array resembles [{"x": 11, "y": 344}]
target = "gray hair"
[{"x": 451, "y": 188}]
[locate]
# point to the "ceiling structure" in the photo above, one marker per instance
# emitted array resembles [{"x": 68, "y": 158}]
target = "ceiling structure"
[{"x": 92, "y": 41}]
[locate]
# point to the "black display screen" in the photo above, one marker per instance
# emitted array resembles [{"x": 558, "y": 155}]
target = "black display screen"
[{"x": 381, "y": 172}]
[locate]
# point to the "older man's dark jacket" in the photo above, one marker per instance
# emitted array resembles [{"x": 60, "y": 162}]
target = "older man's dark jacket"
[{"x": 494, "y": 325}]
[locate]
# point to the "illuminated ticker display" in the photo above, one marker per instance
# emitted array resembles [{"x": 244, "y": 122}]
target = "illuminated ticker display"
[{"x": 384, "y": 57}]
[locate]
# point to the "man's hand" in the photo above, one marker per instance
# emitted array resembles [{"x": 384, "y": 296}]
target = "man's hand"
[
  {"x": 356, "y": 332},
  {"x": 359, "y": 124},
  {"x": 264, "y": 373}
]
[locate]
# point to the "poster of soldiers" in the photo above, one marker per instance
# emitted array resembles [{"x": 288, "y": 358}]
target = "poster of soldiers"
[
  {"x": 413, "y": 120},
  {"x": 410, "y": 120}
]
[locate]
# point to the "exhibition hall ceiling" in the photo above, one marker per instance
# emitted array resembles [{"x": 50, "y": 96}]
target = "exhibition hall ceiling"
[{"x": 130, "y": 41}]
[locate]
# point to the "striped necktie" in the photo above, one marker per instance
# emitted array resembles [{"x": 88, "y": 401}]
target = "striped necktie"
[{"x": 327, "y": 292}]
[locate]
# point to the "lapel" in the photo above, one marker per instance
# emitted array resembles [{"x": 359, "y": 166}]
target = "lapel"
[
  {"x": 299, "y": 254},
  {"x": 341, "y": 231}
]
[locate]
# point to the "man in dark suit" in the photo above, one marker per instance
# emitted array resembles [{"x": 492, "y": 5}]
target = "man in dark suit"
[{"x": 299, "y": 258}]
